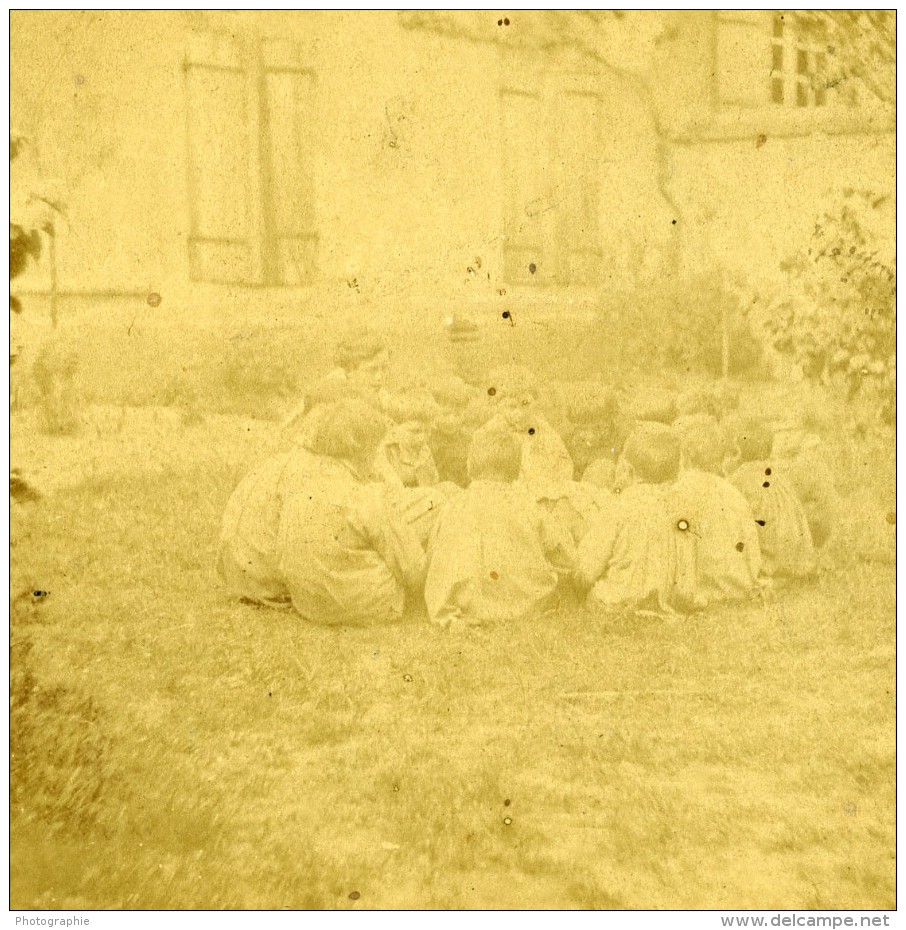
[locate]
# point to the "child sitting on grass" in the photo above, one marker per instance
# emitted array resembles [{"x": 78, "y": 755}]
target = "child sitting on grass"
[
  {"x": 598, "y": 431},
  {"x": 362, "y": 361},
  {"x": 494, "y": 556},
  {"x": 513, "y": 392},
  {"x": 721, "y": 527},
  {"x": 801, "y": 458},
  {"x": 404, "y": 457},
  {"x": 344, "y": 554},
  {"x": 628, "y": 558},
  {"x": 462, "y": 411},
  {"x": 787, "y": 550}
]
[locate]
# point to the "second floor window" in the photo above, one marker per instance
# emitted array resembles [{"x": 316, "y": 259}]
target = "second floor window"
[{"x": 798, "y": 65}]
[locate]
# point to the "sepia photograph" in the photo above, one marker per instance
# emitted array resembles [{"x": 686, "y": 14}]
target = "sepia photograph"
[{"x": 453, "y": 460}]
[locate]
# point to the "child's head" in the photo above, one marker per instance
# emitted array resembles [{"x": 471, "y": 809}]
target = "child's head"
[
  {"x": 365, "y": 359},
  {"x": 451, "y": 392},
  {"x": 754, "y": 440},
  {"x": 413, "y": 412},
  {"x": 494, "y": 455},
  {"x": 592, "y": 411},
  {"x": 515, "y": 394},
  {"x": 349, "y": 430},
  {"x": 702, "y": 442},
  {"x": 698, "y": 401},
  {"x": 651, "y": 455}
]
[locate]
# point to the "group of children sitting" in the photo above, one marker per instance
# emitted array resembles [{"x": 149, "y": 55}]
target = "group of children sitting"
[{"x": 469, "y": 502}]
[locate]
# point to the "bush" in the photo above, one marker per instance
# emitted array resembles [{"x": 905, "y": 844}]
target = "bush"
[{"x": 836, "y": 316}]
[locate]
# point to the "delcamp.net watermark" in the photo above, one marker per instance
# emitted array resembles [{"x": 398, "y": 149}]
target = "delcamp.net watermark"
[{"x": 834, "y": 921}]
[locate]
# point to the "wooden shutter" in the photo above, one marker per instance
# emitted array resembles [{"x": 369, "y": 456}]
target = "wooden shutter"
[
  {"x": 528, "y": 201},
  {"x": 288, "y": 92},
  {"x": 579, "y": 200},
  {"x": 220, "y": 247}
]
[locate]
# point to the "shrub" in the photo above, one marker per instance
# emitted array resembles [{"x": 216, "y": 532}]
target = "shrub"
[{"x": 836, "y": 316}]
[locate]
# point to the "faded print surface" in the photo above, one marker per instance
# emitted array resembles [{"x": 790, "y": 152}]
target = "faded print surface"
[{"x": 453, "y": 459}]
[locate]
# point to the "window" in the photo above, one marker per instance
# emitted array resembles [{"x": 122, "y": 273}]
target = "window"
[
  {"x": 551, "y": 171},
  {"x": 249, "y": 111},
  {"x": 774, "y": 59},
  {"x": 798, "y": 65}
]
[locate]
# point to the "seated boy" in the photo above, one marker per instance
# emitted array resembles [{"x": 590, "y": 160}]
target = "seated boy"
[
  {"x": 248, "y": 557},
  {"x": 462, "y": 411},
  {"x": 802, "y": 459},
  {"x": 545, "y": 458},
  {"x": 721, "y": 527},
  {"x": 787, "y": 550},
  {"x": 345, "y": 556},
  {"x": 404, "y": 457},
  {"x": 598, "y": 431},
  {"x": 247, "y": 551},
  {"x": 494, "y": 556},
  {"x": 628, "y": 558}
]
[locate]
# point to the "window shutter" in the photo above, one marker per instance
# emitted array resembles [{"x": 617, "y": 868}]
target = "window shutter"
[
  {"x": 218, "y": 154},
  {"x": 288, "y": 91},
  {"x": 579, "y": 202},
  {"x": 527, "y": 204}
]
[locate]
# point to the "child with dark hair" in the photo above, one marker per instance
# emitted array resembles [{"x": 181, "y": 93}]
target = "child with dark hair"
[
  {"x": 787, "y": 549},
  {"x": 494, "y": 556},
  {"x": 308, "y": 528},
  {"x": 598, "y": 431},
  {"x": 722, "y": 535},
  {"x": 628, "y": 558}
]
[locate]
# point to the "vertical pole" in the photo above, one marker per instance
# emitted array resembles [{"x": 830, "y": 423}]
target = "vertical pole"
[
  {"x": 270, "y": 250},
  {"x": 52, "y": 234},
  {"x": 725, "y": 347}
]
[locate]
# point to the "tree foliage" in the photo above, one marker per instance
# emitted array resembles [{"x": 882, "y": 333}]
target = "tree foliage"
[{"x": 837, "y": 317}]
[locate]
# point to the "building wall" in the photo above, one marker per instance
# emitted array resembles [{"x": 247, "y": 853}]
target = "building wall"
[{"x": 435, "y": 163}]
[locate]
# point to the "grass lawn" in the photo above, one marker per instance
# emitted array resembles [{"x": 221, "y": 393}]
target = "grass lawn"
[{"x": 175, "y": 749}]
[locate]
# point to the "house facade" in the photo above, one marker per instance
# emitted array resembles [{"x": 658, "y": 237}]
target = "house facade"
[{"x": 238, "y": 161}]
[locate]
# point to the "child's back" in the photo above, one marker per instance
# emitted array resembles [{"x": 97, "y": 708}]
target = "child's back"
[
  {"x": 491, "y": 557},
  {"x": 628, "y": 555},
  {"x": 247, "y": 559},
  {"x": 784, "y": 536},
  {"x": 345, "y": 554},
  {"x": 726, "y": 557}
]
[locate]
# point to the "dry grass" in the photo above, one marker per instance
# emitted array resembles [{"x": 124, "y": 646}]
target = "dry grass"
[{"x": 183, "y": 750}]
